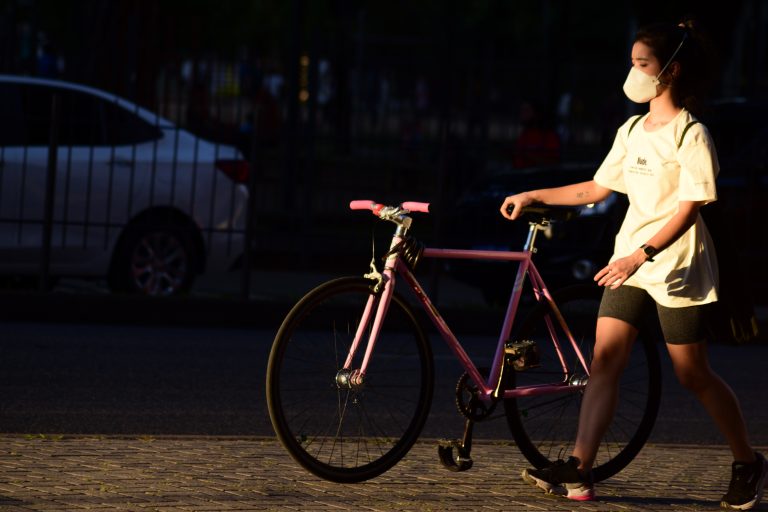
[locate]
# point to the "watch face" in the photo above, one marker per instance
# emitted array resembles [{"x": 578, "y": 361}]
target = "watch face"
[{"x": 649, "y": 250}]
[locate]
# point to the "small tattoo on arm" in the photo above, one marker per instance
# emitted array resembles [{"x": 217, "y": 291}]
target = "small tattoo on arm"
[{"x": 582, "y": 195}]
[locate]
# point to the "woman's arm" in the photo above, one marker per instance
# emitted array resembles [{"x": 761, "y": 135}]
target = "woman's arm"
[
  {"x": 570, "y": 195},
  {"x": 615, "y": 273}
]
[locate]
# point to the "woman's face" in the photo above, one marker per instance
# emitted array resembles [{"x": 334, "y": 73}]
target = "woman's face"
[{"x": 644, "y": 59}]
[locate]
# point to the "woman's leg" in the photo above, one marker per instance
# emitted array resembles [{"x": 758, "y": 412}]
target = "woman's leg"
[
  {"x": 694, "y": 373},
  {"x": 613, "y": 346}
]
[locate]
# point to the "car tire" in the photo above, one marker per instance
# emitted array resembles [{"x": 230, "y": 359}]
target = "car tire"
[{"x": 154, "y": 261}]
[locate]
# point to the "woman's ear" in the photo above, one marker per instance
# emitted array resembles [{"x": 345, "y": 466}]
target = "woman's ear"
[{"x": 674, "y": 70}]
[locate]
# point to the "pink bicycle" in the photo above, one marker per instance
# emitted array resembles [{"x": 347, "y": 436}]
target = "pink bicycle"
[{"x": 350, "y": 375}]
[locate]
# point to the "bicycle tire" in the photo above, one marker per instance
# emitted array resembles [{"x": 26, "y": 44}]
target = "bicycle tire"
[
  {"x": 341, "y": 434},
  {"x": 544, "y": 427}
]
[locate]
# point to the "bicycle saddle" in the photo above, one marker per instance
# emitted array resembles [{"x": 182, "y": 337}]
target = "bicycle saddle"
[{"x": 543, "y": 214}]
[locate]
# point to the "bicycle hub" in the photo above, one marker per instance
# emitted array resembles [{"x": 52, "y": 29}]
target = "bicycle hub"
[{"x": 349, "y": 379}]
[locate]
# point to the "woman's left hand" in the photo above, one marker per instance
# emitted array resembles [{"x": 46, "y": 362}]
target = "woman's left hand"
[{"x": 617, "y": 272}]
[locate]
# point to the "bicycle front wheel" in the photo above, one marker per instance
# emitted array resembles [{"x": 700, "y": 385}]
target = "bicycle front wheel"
[
  {"x": 340, "y": 432},
  {"x": 544, "y": 427}
]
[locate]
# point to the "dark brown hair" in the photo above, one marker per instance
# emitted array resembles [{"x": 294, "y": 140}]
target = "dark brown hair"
[{"x": 696, "y": 59}]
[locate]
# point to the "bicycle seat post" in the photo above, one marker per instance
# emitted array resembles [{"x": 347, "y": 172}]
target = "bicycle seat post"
[{"x": 533, "y": 230}]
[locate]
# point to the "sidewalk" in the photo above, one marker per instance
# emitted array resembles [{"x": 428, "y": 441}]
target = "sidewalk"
[{"x": 204, "y": 474}]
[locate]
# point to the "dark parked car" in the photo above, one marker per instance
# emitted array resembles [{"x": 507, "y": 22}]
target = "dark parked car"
[{"x": 568, "y": 253}]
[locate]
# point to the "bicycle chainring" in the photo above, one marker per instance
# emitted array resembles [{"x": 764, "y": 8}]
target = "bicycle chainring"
[{"x": 467, "y": 401}]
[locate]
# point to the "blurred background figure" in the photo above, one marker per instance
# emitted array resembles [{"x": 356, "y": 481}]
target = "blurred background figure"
[{"x": 538, "y": 142}]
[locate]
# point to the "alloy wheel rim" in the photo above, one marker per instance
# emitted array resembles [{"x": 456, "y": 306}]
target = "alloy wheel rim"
[{"x": 159, "y": 264}]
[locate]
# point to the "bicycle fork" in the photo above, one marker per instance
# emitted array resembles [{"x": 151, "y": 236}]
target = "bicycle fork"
[{"x": 375, "y": 311}]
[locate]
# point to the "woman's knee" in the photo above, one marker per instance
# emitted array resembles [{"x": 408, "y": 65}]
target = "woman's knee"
[
  {"x": 694, "y": 378},
  {"x": 691, "y": 366},
  {"x": 607, "y": 362},
  {"x": 613, "y": 346}
]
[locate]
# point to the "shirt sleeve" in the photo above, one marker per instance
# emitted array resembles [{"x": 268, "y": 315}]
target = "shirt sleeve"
[
  {"x": 698, "y": 166},
  {"x": 610, "y": 174}
]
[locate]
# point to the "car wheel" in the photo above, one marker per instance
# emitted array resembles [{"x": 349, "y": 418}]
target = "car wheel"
[{"x": 154, "y": 261}]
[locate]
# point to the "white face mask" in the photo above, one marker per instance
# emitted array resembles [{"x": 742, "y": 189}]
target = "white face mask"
[{"x": 641, "y": 88}]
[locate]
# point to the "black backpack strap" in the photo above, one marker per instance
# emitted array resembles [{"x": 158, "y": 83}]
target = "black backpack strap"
[
  {"x": 685, "y": 130},
  {"x": 638, "y": 118},
  {"x": 682, "y": 137}
]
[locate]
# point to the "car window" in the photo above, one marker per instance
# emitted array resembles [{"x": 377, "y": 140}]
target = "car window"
[
  {"x": 123, "y": 127},
  {"x": 36, "y": 108},
  {"x": 79, "y": 123},
  {"x": 12, "y": 129},
  {"x": 85, "y": 120},
  {"x": 82, "y": 123}
]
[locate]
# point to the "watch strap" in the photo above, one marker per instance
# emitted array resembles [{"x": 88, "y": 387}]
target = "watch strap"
[{"x": 650, "y": 251}]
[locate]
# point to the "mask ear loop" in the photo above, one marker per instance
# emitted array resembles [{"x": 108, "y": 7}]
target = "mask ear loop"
[{"x": 674, "y": 54}]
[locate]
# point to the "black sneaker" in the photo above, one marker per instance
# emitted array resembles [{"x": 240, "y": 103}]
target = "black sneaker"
[
  {"x": 747, "y": 482},
  {"x": 562, "y": 478}
]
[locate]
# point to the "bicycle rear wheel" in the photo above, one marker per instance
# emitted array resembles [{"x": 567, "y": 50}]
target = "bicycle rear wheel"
[
  {"x": 544, "y": 427},
  {"x": 338, "y": 432}
]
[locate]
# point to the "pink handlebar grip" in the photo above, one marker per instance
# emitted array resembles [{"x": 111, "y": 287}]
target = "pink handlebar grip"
[
  {"x": 414, "y": 206},
  {"x": 362, "y": 204}
]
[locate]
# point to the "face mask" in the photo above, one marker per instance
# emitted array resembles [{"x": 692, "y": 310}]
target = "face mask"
[{"x": 641, "y": 88}]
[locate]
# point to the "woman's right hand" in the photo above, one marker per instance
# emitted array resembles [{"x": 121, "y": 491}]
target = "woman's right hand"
[{"x": 512, "y": 205}]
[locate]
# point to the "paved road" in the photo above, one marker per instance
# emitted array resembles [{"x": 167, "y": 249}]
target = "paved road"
[
  {"x": 145, "y": 380},
  {"x": 207, "y": 474},
  {"x": 189, "y": 432}
]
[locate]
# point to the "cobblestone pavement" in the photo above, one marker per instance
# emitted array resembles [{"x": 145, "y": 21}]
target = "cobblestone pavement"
[{"x": 47, "y": 473}]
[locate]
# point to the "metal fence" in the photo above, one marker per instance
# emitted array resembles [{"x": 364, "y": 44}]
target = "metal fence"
[{"x": 92, "y": 185}]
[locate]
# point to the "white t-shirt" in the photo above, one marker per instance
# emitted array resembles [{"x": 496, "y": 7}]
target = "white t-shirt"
[{"x": 656, "y": 176}]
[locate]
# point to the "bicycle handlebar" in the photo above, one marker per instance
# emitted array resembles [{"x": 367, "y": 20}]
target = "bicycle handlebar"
[
  {"x": 367, "y": 204},
  {"x": 415, "y": 206}
]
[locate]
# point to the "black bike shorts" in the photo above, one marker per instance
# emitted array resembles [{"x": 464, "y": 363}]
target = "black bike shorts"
[{"x": 679, "y": 326}]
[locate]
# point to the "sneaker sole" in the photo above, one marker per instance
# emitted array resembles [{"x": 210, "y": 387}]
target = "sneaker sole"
[
  {"x": 537, "y": 482},
  {"x": 581, "y": 495},
  {"x": 557, "y": 490}
]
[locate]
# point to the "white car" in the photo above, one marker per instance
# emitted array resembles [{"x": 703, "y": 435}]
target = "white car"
[{"x": 135, "y": 199}]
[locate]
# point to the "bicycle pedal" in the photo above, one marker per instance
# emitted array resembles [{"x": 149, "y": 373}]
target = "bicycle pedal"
[
  {"x": 453, "y": 456},
  {"x": 522, "y": 355}
]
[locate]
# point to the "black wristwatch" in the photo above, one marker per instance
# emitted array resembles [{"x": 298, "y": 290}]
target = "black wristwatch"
[{"x": 650, "y": 251}]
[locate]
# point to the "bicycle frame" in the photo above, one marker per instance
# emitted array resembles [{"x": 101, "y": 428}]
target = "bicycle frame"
[
  {"x": 348, "y": 416},
  {"x": 488, "y": 388}
]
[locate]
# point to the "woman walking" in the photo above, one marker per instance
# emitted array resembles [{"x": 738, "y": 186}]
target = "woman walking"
[{"x": 663, "y": 258}]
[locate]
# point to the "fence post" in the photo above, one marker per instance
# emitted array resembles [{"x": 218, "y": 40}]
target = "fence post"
[
  {"x": 250, "y": 218},
  {"x": 50, "y": 190}
]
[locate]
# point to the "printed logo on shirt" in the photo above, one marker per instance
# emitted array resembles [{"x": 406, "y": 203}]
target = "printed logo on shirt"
[{"x": 641, "y": 167}]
